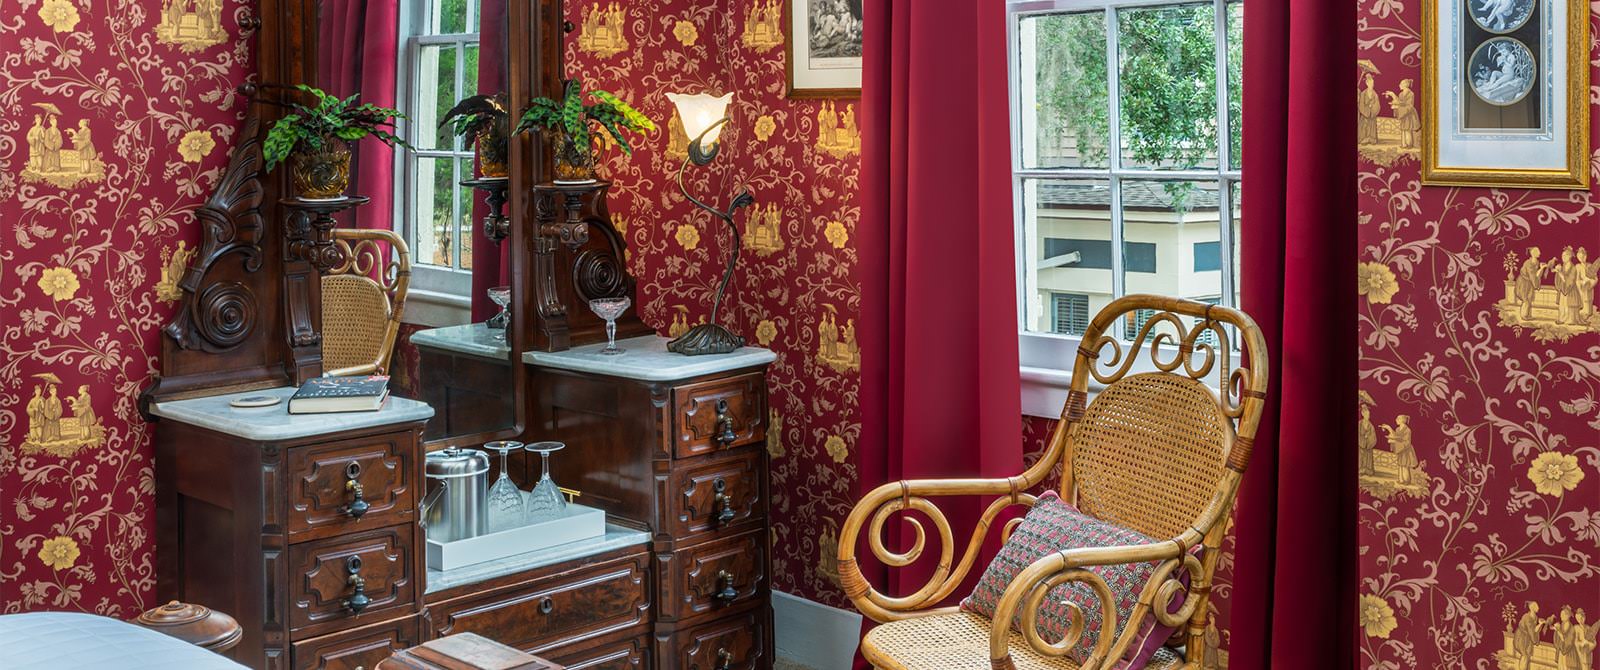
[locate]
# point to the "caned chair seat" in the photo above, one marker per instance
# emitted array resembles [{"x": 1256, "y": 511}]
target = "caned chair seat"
[
  {"x": 363, "y": 299},
  {"x": 960, "y": 641}
]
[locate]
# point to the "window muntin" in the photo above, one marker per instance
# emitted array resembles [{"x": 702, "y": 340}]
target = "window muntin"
[
  {"x": 1141, "y": 76},
  {"x": 440, "y": 68}
]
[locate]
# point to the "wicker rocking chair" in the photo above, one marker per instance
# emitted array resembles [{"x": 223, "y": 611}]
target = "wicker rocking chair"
[
  {"x": 361, "y": 308},
  {"x": 1158, "y": 452}
]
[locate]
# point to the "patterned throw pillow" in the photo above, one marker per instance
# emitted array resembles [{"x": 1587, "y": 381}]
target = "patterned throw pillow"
[{"x": 1050, "y": 527}]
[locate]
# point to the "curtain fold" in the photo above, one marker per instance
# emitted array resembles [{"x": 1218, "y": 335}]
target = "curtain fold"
[
  {"x": 357, "y": 46},
  {"x": 490, "y": 266},
  {"x": 940, "y": 388},
  {"x": 1293, "y": 601}
]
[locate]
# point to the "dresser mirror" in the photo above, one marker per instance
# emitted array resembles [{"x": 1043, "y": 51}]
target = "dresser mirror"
[{"x": 444, "y": 65}]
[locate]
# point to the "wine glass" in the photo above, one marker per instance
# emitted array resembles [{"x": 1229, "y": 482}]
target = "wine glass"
[
  {"x": 506, "y": 508},
  {"x": 500, "y": 295},
  {"x": 609, "y": 309},
  {"x": 545, "y": 501}
]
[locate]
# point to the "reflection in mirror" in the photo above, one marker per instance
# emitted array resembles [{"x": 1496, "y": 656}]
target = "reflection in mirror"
[{"x": 430, "y": 58}]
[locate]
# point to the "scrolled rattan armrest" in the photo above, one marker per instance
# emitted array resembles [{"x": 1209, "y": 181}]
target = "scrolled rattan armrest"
[{"x": 878, "y": 505}]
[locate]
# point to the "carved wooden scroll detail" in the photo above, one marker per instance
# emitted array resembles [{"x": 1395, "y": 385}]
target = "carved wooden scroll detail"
[{"x": 218, "y": 315}]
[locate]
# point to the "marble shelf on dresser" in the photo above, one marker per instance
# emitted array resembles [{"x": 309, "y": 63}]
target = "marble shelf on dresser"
[
  {"x": 647, "y": 359},
  {"x": 616, "y": 537},
  {"x": 275, "y": 423},
  {"x": 474, "y": 339}
]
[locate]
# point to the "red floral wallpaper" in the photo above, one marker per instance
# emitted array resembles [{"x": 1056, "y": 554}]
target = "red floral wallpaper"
[
  {"x": 115, "y": 118},
  {"x": 795, "y": 291},
  {"x": 1480, "y": 428}
]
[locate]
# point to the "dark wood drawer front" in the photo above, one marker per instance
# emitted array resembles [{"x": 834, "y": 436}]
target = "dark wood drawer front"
[
  {"x": 562, "y": 609},
  {"x": 719, "y": 414},
  {"x": 323, "y": 576},
  {"x": 716, "y": 495},
  {"x": 734, "y": 643},
  {"x": 630, "y": 654},
  {"x": 322, "y": 499},
  {"x": 360, "y": 649},
  {"x": 716, "y": 575}
]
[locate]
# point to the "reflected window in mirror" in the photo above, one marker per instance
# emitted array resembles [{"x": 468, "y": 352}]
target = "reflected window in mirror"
[{"x": 441, "y": 66}]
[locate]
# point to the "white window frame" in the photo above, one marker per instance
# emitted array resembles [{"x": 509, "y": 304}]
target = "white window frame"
[
  {"x": 438, "y": 296},
  {"x": 1046, "y": 358}
]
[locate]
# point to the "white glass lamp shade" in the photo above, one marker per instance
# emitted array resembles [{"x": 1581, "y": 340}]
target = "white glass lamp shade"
[{"x": 699, "y": 112}]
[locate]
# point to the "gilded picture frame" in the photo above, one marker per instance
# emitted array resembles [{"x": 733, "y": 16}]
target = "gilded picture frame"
[
  {"x": 1505, "y": 93},
  {"x": 823, "y": 39}
]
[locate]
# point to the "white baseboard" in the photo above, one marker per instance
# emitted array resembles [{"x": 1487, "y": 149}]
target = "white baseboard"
[{"x": 813, "y": 634}]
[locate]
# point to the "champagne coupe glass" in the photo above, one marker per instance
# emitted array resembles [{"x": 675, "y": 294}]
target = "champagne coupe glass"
[
  {"x": 609, "y": 309},
  {"x": 501, "y": 295},
  {"x": 506, "y": 508},
  {"x": 545, "y": 502}
]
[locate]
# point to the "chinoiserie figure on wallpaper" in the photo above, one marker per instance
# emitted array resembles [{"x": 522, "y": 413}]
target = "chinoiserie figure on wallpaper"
[
  {"x": 1386, "y": 140},
  {"x": 1554, "y": 298},
  {"x": 191, "y": 25},
  {"x": 837, "y": 134},
  {"x": 50, "y": 430},
  {"x": 1384, "y": 473},
  {"x": 1367, "y": 441},
  {"x": 1563, "y": 641},
  {"x": 604, "y": 31},
  {"x": 62, "y": 157},
  {"x": 174, "y": 262},
  {"x": 837, "y": 347},
  {"x": 763, "y": 26}
]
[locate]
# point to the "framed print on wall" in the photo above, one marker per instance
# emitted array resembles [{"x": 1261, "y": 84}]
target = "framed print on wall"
[
  {"x": 1505, "y": 93},
  {"x": 824, "y": 38}
]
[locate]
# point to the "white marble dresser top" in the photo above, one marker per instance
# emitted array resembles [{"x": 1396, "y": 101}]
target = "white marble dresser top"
[
  {"x": 475, "y": 339},
  {"x": 275, "y": 423},
  {"x": 616, "y": 537},
  {"x": 647, "y": 359}
]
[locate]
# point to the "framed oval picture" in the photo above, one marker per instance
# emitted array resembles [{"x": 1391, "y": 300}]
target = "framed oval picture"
[{"x": 1505, "y": 93}]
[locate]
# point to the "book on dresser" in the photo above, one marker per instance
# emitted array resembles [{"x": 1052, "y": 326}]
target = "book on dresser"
[{"x": 340, "y": 394}]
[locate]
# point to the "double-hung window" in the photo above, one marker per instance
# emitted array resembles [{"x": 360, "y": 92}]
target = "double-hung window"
[
  {"x": 1125, "y": 162},
  {"x": 439, "y": 66}
]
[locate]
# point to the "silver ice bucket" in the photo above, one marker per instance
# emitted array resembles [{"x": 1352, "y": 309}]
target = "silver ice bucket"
[{"x": 457, "y": 500}]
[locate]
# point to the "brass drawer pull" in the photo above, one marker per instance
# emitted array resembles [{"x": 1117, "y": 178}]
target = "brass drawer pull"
[
  {"x": 724, "y": 502},
  {"x": 358, "y": 505},
  {"x": 358, "y": 599},
  {"x": 724, "y": 659},
  {"x": 725, "y": 435},
  {"x": 725, "y": 590},
  {"x": 546, "y": 605}
]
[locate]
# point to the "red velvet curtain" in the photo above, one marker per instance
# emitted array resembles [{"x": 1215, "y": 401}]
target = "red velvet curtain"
[
  {"x": 939, "y": 387},
  {"x": 490, "y": 268},
  {"x": 1293, "y": 603},
  {"x": 358, "y": 42}
]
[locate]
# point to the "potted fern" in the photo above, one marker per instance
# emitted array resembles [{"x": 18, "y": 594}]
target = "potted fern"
[
  {"x": 571, "y": 125},
  {"x": 484, "y": 119},
  {"x": 315, "y": 139}
]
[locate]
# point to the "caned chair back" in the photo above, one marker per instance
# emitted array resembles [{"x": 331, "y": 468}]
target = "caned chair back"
[
  {"x": 1152, "y": 451},
  {"x": 363, "y": 299}
]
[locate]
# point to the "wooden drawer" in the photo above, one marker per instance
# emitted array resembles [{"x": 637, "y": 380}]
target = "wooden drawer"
[
  {"x": 719, "y": 414},
  {"x": 716, "y": 495},
  {"x": 714, "y": 575},
  {"x": 631, "y": 653},
  {"x": 322, "y": 583},
  {"x": 559, "y": 610},
  {"x": 359, "y": 649},
  {"x": 322, "y": 501},
  {"x": 734, "y": 643}
]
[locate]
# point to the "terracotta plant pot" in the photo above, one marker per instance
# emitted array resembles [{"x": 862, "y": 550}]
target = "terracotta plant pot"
[{"x": 324, "y": 174}]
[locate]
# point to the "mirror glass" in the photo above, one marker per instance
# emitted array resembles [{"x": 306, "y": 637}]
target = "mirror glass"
[{"x": 443, "y": 64}]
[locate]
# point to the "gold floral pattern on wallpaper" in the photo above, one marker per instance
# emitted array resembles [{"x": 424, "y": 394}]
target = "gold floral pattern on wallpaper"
[
  {"x": 1479, "y": 368},
  {"x": 108, "y": 125},
  {"x": 795, "y": 290}
]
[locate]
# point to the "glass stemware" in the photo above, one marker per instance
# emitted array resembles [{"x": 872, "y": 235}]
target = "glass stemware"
[
  {"x": 545, "y": 502},
  {"x": 609, "y": 309},
  {"x": 506, "y": 507},
  {"x": 500, "y": 295}
]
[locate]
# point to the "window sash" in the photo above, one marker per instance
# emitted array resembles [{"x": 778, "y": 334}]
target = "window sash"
[{"x": 419, "y": 26}]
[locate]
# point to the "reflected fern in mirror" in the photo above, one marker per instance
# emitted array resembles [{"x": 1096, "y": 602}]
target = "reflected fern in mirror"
[{"x": 486, "y": 120}]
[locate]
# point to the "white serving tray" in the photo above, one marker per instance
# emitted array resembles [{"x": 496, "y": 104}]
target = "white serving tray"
[{"x": 580, "y": 523}]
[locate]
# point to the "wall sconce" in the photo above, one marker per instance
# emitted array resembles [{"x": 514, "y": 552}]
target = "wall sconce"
[{"x": 703, "y": 118}]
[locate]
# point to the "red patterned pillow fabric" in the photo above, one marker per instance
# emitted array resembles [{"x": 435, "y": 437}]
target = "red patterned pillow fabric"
[{"x": 1053, "y": 526}]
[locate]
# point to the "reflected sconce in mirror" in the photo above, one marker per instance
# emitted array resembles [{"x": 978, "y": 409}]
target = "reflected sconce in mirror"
[{"x": 703, "y": 117}]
